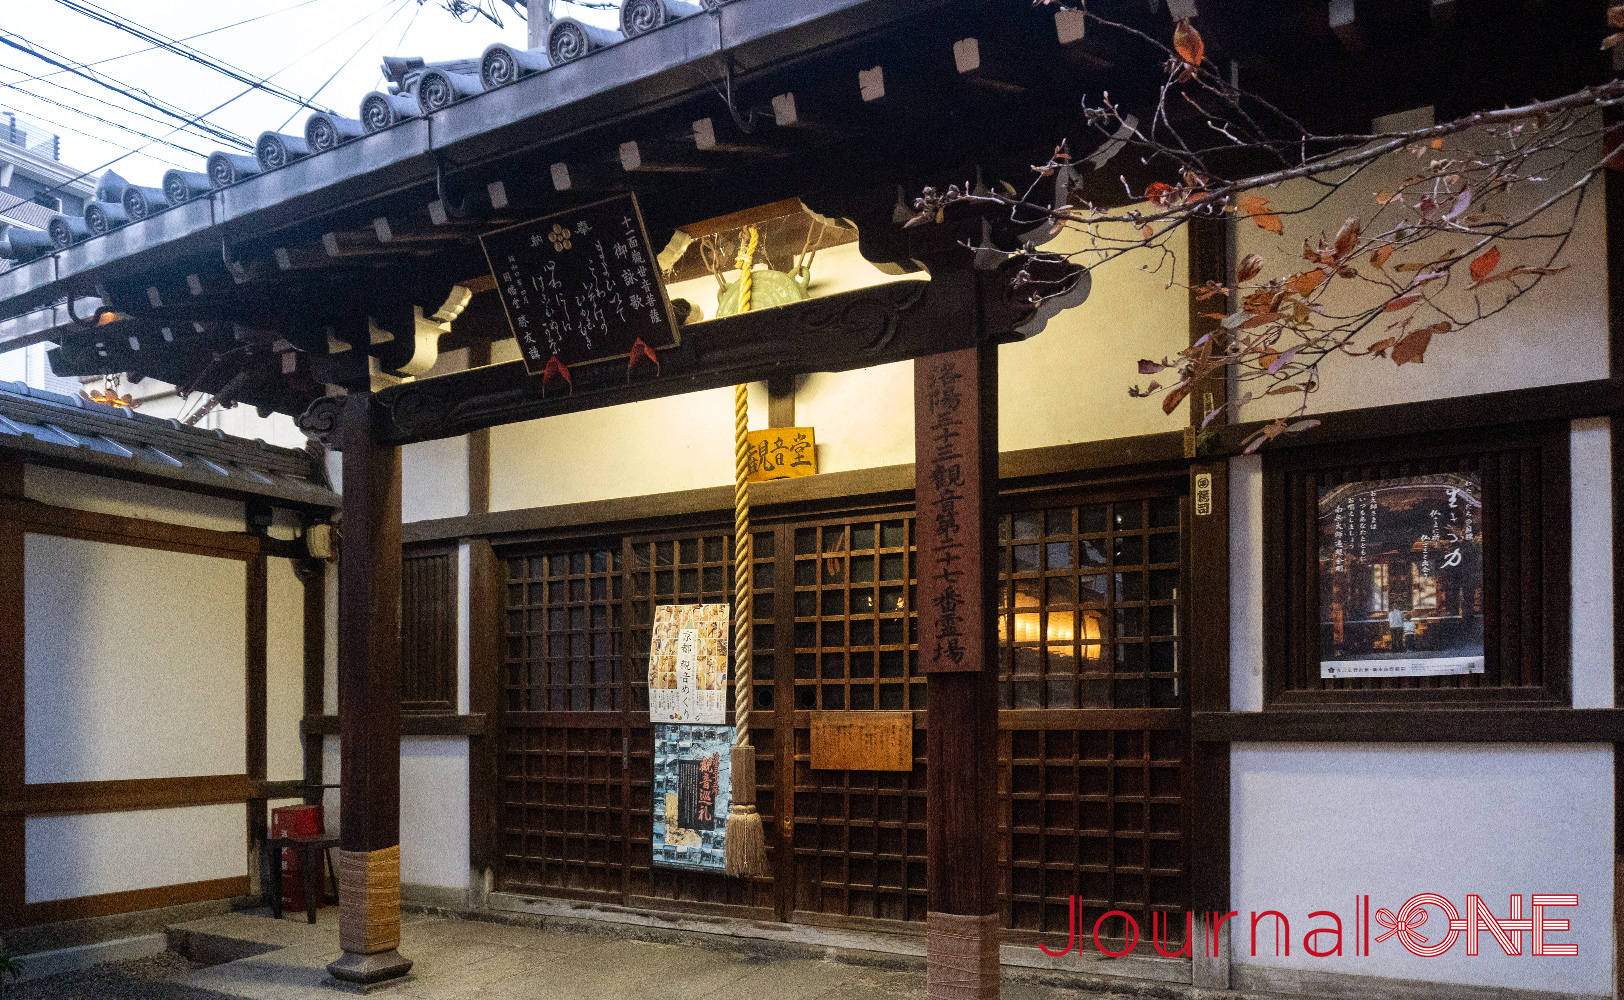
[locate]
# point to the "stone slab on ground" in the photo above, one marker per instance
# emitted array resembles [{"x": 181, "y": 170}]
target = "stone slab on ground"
[{"x": 458, "y": 959}]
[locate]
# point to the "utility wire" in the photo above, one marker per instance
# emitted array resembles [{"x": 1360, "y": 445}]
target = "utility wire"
[
  {"x": 104, "y": 121},
  {"x": 367, "y": 41},
  {"x": 97, "y": 13},
  {"x": 17, "y": 42},
  {"x": 253, "y": 86},
  {"x": 149, "y": 48},
  {"x": 97, "y": 138},
  {"x": 76, "y": 110}
]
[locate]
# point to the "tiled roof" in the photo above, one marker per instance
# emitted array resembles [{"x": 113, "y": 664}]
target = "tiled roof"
[
  {"x": 415, "y": 89},
  {"x": 72, "y": 430}
]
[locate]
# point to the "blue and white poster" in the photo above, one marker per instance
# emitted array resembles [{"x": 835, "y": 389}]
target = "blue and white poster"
[{"x": 692, "y": 795}]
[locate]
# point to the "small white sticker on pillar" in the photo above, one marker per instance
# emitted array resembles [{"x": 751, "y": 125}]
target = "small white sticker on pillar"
[
  {"x": 871, "y": 83},
  {"x": 1070, "y": 25},
  {"x": 1203, "y": 494}
]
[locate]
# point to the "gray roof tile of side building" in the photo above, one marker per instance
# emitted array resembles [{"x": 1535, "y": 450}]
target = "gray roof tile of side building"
[
  {"x": 72, "y": 431},
  {"x": 418, "y": 90}
]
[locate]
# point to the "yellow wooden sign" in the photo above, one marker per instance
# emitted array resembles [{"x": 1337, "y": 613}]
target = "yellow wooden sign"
[
  {"x": 782, "y": 453},
  {"x": 862, "y": 741}
]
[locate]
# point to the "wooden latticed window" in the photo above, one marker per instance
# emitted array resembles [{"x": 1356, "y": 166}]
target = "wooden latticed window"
[
  {"x": 859, "y": 835},
  {"x": 428, "y": 631},
  {"x": 563, "y": 739},
  {"x": 1391, "y": 598},
  {"x": 564, "y": 631},
  {"x": 562, "y": 819},
  {"x": 1093, "y": 726},
  {"x": 854, "y": 630},
  {"x": 1090, "y": 606},
  {"x": 696, "y": 569},
  {"x": 1096, "y": 814}
]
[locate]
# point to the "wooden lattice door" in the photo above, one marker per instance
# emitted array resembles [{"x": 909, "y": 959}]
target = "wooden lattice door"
[
  {"x": 564, "y": 739},
  {"x": 1094, "y": 724}
]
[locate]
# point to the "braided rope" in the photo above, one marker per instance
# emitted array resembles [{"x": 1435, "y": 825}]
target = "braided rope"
[{"x": 743, "y": 543}]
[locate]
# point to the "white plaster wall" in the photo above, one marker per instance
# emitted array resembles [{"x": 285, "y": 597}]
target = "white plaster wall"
[
  {"x": 658, "y": 446},
  {"x": 134, "y": 662},
  {"x": 87, "y": 855},
  {"x": 434, "y": 811},
  {"x": 862, "y": 419},
  {"x": 1314, "y": 825},
  {"x": 434, "y": 479},
  {"x": 1592, "y": 486},
  {"x": 1070, "y": 382},
  {"x": 1246, "y": 583},
  {"x": 1556, "y": 334},
  {"x": 284, "y": 671},
  {"x": 332, "y": 769},
  {"x": 103, "y": 495}
]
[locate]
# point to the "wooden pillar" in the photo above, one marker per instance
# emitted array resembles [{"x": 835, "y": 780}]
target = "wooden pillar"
[
  {"x": 369, "y": 703},
  {"x": 955, "y": 482}
]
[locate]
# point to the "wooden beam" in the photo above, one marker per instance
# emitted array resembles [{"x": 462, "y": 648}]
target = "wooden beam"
[
  {"x": 134, "y": 901},
  {"x": 1569, "y": 401},
  {"x": 1207, "y": 795},
  {"x": 369, "y": 702},
  {"x": 38, "y": 517},
  {"x": 1522, "y": 724},
  {"x": 487, "y": 583},
  {"x": 781, "y": 401},
  {"x": 858, "y": 329},
  {"x": 315, "y": 676},
  {"x": 956, "y": 483},
  {"x": 13, "y": 891},
  {"x": 479, "y": 444},
  {"x": 411, "y": 724},
  {"x": 123, "y": 795}
]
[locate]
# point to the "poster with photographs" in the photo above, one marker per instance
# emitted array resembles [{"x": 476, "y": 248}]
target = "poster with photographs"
[
  {"x": 687, "y": 664},
  {"x": 1401, "y": 577},
  {"x": 692, "y": 795}
]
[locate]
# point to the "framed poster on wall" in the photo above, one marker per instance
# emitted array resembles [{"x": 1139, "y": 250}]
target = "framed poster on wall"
[
  {"x": 687, "y": 664},
  {"x": 692, "y": 795},
  {"x": 1401, "y": 577}
]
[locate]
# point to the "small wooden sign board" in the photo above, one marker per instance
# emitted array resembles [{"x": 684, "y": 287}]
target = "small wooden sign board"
[
  {"x": 862, "y": 741},
  {"x": 582, "y": 285},
  {"x": 781, "y": 453}
]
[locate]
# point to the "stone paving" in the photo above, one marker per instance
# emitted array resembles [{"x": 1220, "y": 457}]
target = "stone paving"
[{"x": 456, "y": 959}]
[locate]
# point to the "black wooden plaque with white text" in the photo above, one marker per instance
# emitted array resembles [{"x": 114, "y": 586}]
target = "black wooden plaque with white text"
[{"x": 582, "y": 285}]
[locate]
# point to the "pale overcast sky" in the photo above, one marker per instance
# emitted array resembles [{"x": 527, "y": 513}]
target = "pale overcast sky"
[{"x": 302, "y": 42}]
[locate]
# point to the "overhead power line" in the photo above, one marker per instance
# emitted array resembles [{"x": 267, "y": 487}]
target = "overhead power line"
[
  {"x": 364, "y": 43},
  {"x": 22, "y": 45},
  {"x": 97, "y": 13},
  {"x": 149, "y": 48},
  {"x": 104, "y": 121},
  {"x": 76, "y": 109},
  {"x": 253, "y": 86}
]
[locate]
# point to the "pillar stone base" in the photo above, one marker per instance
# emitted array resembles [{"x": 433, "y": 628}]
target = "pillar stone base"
[
  {"x": 961, "y": 957},
  {"x": 368, "y": 973}
]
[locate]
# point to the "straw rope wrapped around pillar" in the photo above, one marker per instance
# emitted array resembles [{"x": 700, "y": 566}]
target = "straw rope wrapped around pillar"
[
  {"x": 961, "y": 956},
  {"x": 372, "y": 878},
  {"x": 745, "y": 848}
]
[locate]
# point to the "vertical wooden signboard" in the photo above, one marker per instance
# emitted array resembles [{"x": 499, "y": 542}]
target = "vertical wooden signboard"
[
  {"x": 952, "y": 483},
  {"x": 955, "y": 480}
]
